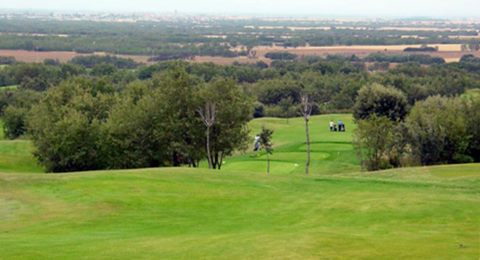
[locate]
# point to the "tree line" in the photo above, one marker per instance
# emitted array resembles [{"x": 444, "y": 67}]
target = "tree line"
[
  {"x": 119, "y": 92},
  {"x": 185, "y": 38},
  {"x": 85, "y": 124},
  {"x": 437, "y": 130}
]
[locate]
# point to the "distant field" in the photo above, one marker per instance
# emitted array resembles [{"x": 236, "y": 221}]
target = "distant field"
[
  {"x": 441, "y": 47},
  {"x": 62, "y": 56},
  {"x": 386, "y": 28},
  {"x": 450, "y": 52},
  {"x": 427, "y": 29}
]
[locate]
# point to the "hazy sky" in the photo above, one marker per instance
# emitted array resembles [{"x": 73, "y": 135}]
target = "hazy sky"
[{"x": 379, "y": 8}]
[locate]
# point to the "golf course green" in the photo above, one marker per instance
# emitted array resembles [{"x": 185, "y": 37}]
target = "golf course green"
[{"x": 239, "y": 212}]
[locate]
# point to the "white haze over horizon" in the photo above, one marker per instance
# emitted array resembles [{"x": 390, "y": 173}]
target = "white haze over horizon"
[{"x": 329, "y": 8}]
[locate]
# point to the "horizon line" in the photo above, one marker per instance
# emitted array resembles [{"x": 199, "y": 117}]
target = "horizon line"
[{"x": 240, "y": 14}]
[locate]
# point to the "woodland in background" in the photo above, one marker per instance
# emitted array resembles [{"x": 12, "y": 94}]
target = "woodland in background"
[
  {"x": 85, "y": 114},
  {"x": 185, "y": 38}
]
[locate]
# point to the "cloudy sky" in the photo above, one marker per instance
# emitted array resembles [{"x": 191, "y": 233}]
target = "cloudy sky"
[{"x": 359, "y": 8}]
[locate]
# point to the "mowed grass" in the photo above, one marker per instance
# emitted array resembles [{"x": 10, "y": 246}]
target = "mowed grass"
[
  {"x": 420, "y": 213},
  {"x": 240, "y": 212},
  {"x": 331, "y": 152},
  {"x": 12, "y": 87},
  {"x": 16, "y": 155}
]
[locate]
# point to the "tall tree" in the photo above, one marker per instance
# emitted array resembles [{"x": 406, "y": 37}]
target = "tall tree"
[
  {"x": 175, "y": 92},
  {"x": 373, "y": 139},
  {"x": 233, "y": 110}
]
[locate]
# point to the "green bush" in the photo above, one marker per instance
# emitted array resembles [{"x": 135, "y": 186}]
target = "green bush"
[
  {"x": 14, "y": 122},
  {"x": 438, "y": 130},
  {"x": 381, "y": 101}
]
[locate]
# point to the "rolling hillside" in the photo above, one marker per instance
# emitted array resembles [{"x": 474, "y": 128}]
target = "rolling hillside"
[{"x": 239, "y": 212}]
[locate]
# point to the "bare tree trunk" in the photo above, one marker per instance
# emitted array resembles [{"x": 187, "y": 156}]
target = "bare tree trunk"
[
  {"x": 306, "y": 109},
  {"x": 268, "y": 164},
  {"x": 209, "y": 156},
  {"x": 215, "y": 160},
  {"x": 208, "y": 117},
  {"x": 307, "y": 132},
  {"x": 221, "y": 161}
]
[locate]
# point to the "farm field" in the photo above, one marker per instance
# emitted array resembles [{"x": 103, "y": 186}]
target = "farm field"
[
  {"x": 450, "y": 52},
  {"x": 62, "y": 56},
  {"x": 240, "y": 212}
]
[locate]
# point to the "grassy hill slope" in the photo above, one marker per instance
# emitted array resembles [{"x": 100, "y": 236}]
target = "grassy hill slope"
[
  {"x": 16, "y": 155},
  {"x": 239, "y": 212},
  {"x": 193, "y": 213}
]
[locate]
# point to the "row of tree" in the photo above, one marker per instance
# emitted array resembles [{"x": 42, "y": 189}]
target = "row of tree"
[
  {"x": 437, "y": 130},
  {"x": 84, "y": 124},
  {"x": 190, "y": 37},
  {"x": 277, "y": 89}
]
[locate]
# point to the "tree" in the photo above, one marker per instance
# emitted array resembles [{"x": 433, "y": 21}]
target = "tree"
[
  {"x": 280, "y": 56},
  {"x": 14, "y": 106},
  {"x": 373, "y": 139},
  {"x": 176, "y": 116},
  {"x": 65, "y": 125},
  {"x": 14, "y": 121},
  {"x": 381, "y": 101},
  {"x": 288, "y": 108},
  {"x": 306, "y": 107},
  {"x": 134, "y": 134},
  {"x": 233, "y": 112},
  {"x": 266, "y": 144},
  {"x": 438, "y": 131},
  {"x": 208, "y": 117},
  {"x": 472, "y": 108}
]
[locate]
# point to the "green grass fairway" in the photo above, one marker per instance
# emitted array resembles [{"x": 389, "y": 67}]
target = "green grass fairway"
[
  {"x": 332, "y": 152},
  {"x": 13, "y": 87},
  {"x": 16, "y": 155},
  {"x": 421, "y": 213},
  {"x": 240, "y": 212}
]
